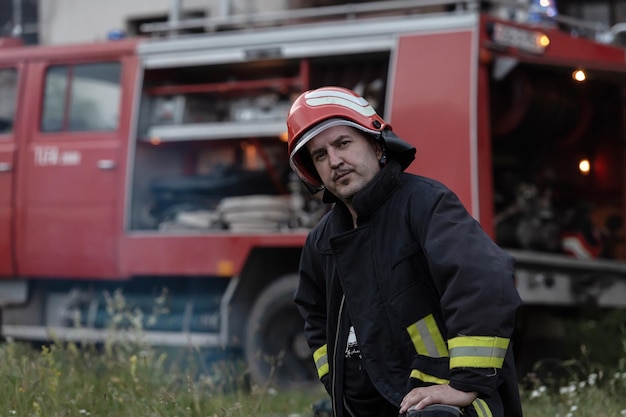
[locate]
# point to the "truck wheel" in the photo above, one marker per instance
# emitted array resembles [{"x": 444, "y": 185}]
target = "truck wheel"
[{"x": 276, "y": 349}]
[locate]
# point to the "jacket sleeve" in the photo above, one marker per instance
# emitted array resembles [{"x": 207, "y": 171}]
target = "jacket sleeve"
[
  {"x": 475, "y": 282},
  {"x": 310, "y": 298}
]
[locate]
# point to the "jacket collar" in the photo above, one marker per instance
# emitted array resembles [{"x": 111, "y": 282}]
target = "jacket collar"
[{"x": 366, "y": 201}]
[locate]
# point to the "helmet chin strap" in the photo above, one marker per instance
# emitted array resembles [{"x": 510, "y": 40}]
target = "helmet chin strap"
[{"x": 312, "y": 189}]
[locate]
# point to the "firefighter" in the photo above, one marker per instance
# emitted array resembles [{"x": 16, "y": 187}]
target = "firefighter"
[{"x": 409, "y": 307}]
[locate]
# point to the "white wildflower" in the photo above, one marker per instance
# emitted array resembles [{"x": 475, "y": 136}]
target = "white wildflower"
[
  {"x": 538, "y": 392},
  {"x": 570, "y": 389}
]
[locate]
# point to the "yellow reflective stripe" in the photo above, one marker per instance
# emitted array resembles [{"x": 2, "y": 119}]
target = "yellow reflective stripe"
[
  {"x": 320, "y": 356},
  {"x": 477, "y": 351},
  {"x": 427, "y": 338},
  {"x": 481, "y": 407},
  {"x": 428, "y": 378}
]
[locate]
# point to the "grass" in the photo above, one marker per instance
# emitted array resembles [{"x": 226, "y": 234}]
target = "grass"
[
  {"x": 63, "y": 380},
  {"x": 593, "y": 382},
  {"x": 130, "y": 380},
  {"x": 133, "y": 380},
  {"x": 599, "y": 395}
]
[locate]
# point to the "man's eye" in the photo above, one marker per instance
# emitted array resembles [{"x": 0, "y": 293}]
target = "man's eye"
[{"x": 318, "y": 157}]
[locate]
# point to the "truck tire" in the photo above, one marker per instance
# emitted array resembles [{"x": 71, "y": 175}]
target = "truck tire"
[{"x": 276, "y": 350}]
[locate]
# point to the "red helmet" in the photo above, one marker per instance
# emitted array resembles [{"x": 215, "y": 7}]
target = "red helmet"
[{"x": 317, "y": 110}]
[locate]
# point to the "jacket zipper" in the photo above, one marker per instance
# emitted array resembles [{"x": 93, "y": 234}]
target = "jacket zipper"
[{"x": 333, "y": 382}]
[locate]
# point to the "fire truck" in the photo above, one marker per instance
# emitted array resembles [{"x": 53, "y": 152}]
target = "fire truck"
[{"x": 152, "y": 173}]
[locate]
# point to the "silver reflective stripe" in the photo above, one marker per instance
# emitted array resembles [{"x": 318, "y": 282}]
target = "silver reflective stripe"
[
  {"x": 481, "y": 407},
  {"x": 428, "y": 341},
  {"x": 320, "y": 356},
  {"x": 483, "y": 352},
  {"x": 477, "y": 351},
  {"x": 321, "y": 361},
  {"x": 427, "y": 338}
]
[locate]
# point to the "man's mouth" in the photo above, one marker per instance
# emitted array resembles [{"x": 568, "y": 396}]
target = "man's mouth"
[{"x": 338, "y": 176}]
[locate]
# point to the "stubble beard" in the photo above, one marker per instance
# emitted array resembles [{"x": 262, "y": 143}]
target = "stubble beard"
[{"x": 350, "y": 189}]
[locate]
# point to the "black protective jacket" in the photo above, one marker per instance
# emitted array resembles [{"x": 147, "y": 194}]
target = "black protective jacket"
[{"x": 430, "y": 295}]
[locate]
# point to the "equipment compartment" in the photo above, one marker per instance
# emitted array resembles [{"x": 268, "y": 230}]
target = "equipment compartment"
[
  {"x": 215, "y": 132},
  {"x": 558, "y": 154}
]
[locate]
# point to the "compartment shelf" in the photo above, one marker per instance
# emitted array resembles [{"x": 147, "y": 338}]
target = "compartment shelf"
[
  {"x": 214, "y": 131},
  {"x": 276, "y": 84}
]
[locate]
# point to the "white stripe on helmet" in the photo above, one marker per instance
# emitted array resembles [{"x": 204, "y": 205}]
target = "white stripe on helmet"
[{"x": 358, "y": 104}]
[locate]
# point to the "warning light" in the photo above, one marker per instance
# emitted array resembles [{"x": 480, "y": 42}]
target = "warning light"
[
  {"x": 543, "y": 41},
  {"x": 284, "y": 137},
  {"x": 155, "y": 140},
  {"x": 584, "y": 166},
  {"x": 579, "y": 75},
  {"x": 225, "y": 268}
]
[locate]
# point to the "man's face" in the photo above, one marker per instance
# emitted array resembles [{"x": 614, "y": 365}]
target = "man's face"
[{"x": 345, "y": 159}]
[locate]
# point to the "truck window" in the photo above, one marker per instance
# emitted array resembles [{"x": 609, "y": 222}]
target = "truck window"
[
  {"x": 82, "y": 97},
  {"x": 8, "y": 90}
]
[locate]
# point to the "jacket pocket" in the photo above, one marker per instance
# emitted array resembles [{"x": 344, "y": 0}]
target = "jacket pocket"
[
  {"x": 405, "y": 252},
  {"x": 408, "y": 265},
  {"x": 410, "y": 297},
  {"x": 431, "y": 365}
]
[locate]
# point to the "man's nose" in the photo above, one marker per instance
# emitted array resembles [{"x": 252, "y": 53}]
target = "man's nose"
[{"x": 334, "y": 158}]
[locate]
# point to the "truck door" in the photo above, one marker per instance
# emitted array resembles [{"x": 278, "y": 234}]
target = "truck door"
[
  {"x": 433, "y": 106},
  {"x": 8, "y": 94},
  {"x": 72, "y": 170}
]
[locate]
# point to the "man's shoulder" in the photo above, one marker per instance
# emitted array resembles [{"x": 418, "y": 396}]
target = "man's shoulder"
[{"x": 422, "y": 182}]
